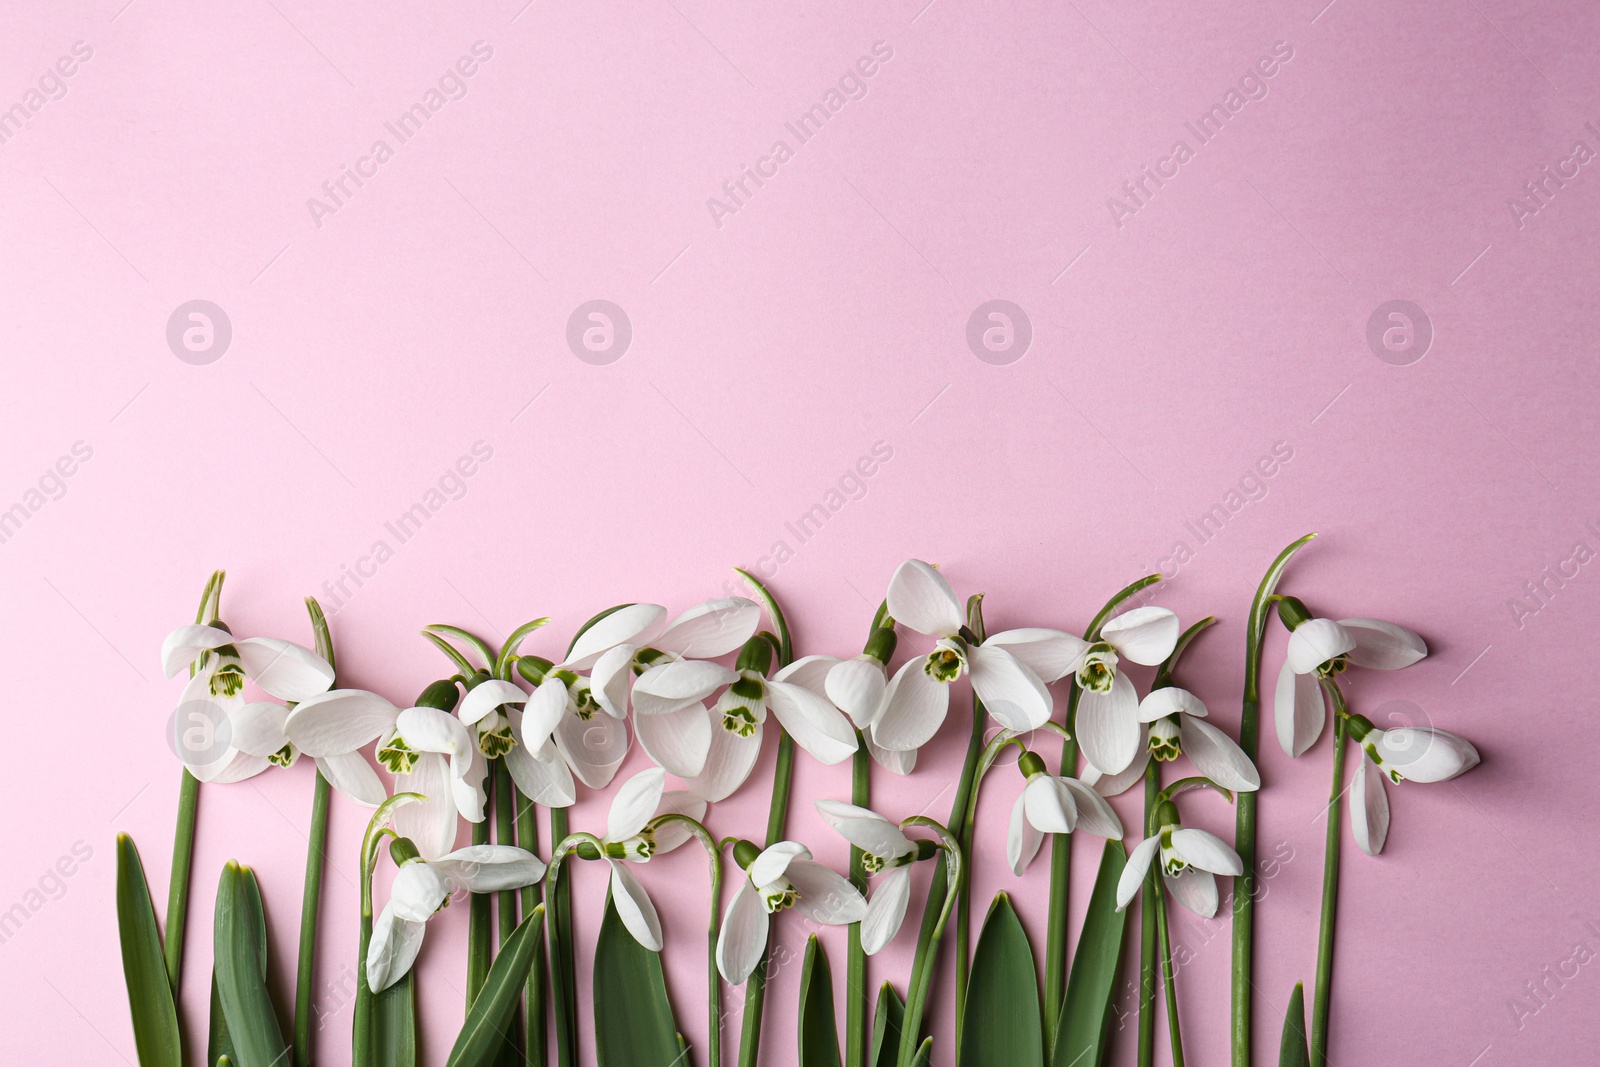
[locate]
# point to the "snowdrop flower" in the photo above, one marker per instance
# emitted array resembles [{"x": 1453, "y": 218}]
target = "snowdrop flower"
[
  {"x": 794, "y": 695},
  {"x": 1053, "y": 804},
  {"x": 213, "y": 700},
  {"x": 1189, "y": 861},
  {"x": 629, "y": 839},
  {"x": 782, "y": 876},
  {"x": 1009, "y": 670},
  {"x": 859, "y": 687},
  {"x": 422, "y": 887},
  {"x": 1322, "y": 648},
  {"x": 261, "y": 729},
  {"x": 667, "y": 674},
  {"x": 1417, "y": 753},
  {"x": 1108, "y": 707},
  {"x": 524, "y": 738},
  {"x": 888, "y": 855},
  {"x": 590, "y": 740},
  {"x": 1177, "y": 726}
]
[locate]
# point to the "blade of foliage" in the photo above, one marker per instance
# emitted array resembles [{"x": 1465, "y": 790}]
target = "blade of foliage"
[
  {"x": 241, "y": 969},
  {"x": 1292, "y": 1050},
  {"x": 221, "y": 1042},
  {"x": 394, "y": 1024},
  {"x": 155, "y": 1019},
  {"x": 818, "y": 1028},
  {"x": 633, "y": 1024},
  {"x": 1091, "y": 989},
  {"x": 1001, "y": 1024},
  {"x": 489, "y": 1018},
  {"x": 887, "y": 1020}
]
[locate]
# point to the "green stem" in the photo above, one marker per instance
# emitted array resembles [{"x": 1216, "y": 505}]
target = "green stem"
[
  {"x": 1158, "y": 899},
  {"x": 1330, "y": 885},
  {"x": 310, "y": 904},
  {"x": 480, "y": 939},
  {"x": 178, "y": 887},
  {"x": 1055, "y": 964},
  {"x": 505, "y": 833},
  {"x": 361, "y": 1027},
  {"x": 922, "y": 976},
  {"x": 964, "y": 817},
  {"x": 558, "y": 934},
  {"x": 856, "y": 1031},
  {"x": 1147, "y": 933},
  {"x": 714, "y": 928},
  {"x": 755, "y": 987},
  {"x": 535, "y": 995}
]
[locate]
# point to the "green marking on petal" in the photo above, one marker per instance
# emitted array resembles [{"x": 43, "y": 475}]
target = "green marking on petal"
[
  {"x": 777, "y": 898},
  {"x": 1099, "y": 668},
  {"x": 397, "y": 756},
  {"x": 285, "y": 756}
]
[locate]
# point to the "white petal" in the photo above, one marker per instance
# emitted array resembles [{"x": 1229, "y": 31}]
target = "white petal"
[
  {"x": 352, "y": 775},
  {"x": 1383, "y": 645},
  {"x": 286, "y": 670},
  {"x": 1145, "y": 635},
  {"x": 728, "y": 764},
  {"x": 914, "y": 709},
  {"x": 1369, "y": 808},
  {"x": 1049, "y": 805},
  {"x": 886, "y": 910},
  {"x": 635, "y": 803},
  {"x": 490, "y": 868},
  {"x": 486, "y": 696},
  {"x": 774, "y": 860},
  {"x": 1218, "y": 756},
  {"x": 1051, "y": 654},
  {"x": 542, "y": 781},
  {"x": 257, "y": 728},
  {"x": 338, "y": 721},
  {"x": 1109, "y": 785},
  {"x": 669, "y": 687},
  {"x": 743, "y": 938},
  {"x": 635, "y": 908},
  {"x": 865, "y": 829},
  {"x": 418, "y": 891},
  {"x": 612, "y": 678},
  {"x": 184, "y": 645},
  {"x": 674, "y": 834},
  {"x": 1203, "y": 849},
  {"x": 826, "y": 896},
  {"x": 1316, "y": 641},
  {"x": 1137, "y": 867},
  {"x": 465, "y": 782},
  {"x": 1196, "y": 890},
  {"x": 921, "y": 598},
  {"x": 634, "y": 625},
  {"x": 1297, "y": 710},
  {"x": 594, "y": 749},
  {"x": 1424, "y": 754},
  {"x": 392, "y": 950},
  {"x": 857, "y": 687},
  {"x": 808, "y": 672},
  {"x": 1095, "y": 816},
  {"x": 1010, "y": 692},
  {"x": 1108, "y": 725},
  {"x": 712, "y": 629},
  {"x": 814, "y": 723},
  {"x": 241, "y": 766},
  {"x": 680, "y": 741},
  {"x": 1022, "y": 837},
  {"x": 901, "y": 763},
  {"x": 431, "y": 824},
  {"x": 1170, "y": 700},
  {"x": 202, "y": 727},
  {"x": 433, "y": 730}
]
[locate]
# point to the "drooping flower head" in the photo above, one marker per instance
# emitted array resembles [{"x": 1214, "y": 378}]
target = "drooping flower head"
[
  {"x": 1053, "y": 804},
  {"x": 1190, "y": 860},
  {"x": 781, "y": 876}
]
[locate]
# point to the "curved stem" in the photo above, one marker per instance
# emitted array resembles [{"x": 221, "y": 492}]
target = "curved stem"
[
  {"x": 713, "y": 981},
  {"x": 1147, "y": 931},
  {"x": 755, "y": 987},
  {"x": 1169, "y": 986},
  {"x": 1330, "y": 883},
  {"x": 563, "y": 994},
  {"x": 377, "y": 830},
  {"x": 856, "y": 1033},
  {"x": 928, "y": 943}
]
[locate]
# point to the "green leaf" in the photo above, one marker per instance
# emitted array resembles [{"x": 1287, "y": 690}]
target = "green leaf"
[
  {"x": 241, "y": 968},
  {"x": 221, "y": 1042},
  {"x": 394, "y": 1024},
  {"x": 1082, "y": 1031},
  {"x": 887, "y": 1020},
  {"x": 489, "y": 1017},
  {"x": 1292, "y": 1050},
  {"x": 818, "y": 1029},
  {"x": 924, "y": 1056},
  {"x": 1000, "y": 1021},
  {"x": 155, "y": 1019},
  {"x": 633, "y": 1022}
]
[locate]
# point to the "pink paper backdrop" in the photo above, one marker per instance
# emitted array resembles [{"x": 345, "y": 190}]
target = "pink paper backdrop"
[{"x": 1177, "y": 330}]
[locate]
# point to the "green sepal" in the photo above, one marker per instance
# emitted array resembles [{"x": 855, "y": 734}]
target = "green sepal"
[
  {"x": 489, "y": 1016},
  {"x": 1001, "y": 1025},
  {"x": 818, "y": 1029},
  {"x": 156, "y": 1036}
]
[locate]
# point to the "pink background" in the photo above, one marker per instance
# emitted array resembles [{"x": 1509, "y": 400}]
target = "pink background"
[{"x": 1225, "y": 315}]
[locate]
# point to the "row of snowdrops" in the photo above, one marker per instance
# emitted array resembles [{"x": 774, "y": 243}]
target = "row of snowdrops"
[{"x": 510, "y": 732}]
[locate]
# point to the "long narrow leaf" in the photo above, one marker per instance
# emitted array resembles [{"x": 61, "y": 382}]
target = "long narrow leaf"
[
  {"x": 1081, "y": 1032},
  {"x": 818, "y": 1029},
  {"x": 1001, "y": 1024},
  {"x": 1292, "y": 1050},
  {"x": 394, "y": 1024},
  {"x": 888, "y": 1019},
  {"x": 240, "y": 972},
  {"x": 221, "y": 1042},
  {"x": 633, "y": 1024},
  {"x": 489, "y": 1017},
  {"x": 155, "y": 1019}
]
